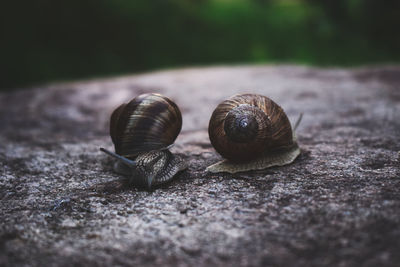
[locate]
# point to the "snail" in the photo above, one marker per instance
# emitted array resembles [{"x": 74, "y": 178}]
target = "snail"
[
  {"x": 251, "y": 132},
  {"x": 142, "y": 132}
]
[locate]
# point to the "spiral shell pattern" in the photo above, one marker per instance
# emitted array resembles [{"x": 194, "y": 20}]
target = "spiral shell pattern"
[
  {"x": 247, "y": 126},
  {"x": 148, "y": 122}
]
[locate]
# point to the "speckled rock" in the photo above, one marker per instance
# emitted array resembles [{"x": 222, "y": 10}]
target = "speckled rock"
[{"x": 338, "y": 204}]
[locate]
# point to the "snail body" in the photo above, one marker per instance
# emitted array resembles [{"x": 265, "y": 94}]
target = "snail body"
[
  {"x": 251, "y": 132},
  {"x": 142, "y": 132}
]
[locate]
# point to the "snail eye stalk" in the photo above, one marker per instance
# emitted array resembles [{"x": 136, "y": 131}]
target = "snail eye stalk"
[{"x": 128, "y": 162}]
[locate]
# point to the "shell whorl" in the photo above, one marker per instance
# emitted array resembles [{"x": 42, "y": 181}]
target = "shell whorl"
[
  {"x": 244, "y": 123},
  {"x": 245, "y": 126},
  {"x": 148, "y": 122}
]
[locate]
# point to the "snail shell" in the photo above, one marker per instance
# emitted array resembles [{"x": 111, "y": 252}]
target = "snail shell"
[
  {"x": 142, "y": 131},
  {"x": 148, "y": 122},
  {"x": 252, "y": 132}
]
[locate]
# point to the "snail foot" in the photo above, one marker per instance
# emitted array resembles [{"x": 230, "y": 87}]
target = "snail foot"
[{"x": 279, "y": 158}]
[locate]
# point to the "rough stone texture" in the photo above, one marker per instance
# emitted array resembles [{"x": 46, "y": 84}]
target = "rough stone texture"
[{"x": 338, "y": 204}]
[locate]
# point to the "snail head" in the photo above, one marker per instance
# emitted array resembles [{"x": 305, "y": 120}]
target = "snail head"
[{"x": 148, "y": 169}]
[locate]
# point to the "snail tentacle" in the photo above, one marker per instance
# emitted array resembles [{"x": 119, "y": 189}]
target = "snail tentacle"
[
  {"x": 127, "y": 162},
  {"x": 298, "y": 122}
]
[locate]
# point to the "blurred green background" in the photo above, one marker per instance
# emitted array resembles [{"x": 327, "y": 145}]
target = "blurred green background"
[{"x": 44, "y": 40}]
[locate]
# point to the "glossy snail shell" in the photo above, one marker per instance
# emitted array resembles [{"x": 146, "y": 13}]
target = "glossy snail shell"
[
  {"x": 252, "y": 132},
  {"x": 142, "y": 132},
  {"x": 148, "y": 122}
]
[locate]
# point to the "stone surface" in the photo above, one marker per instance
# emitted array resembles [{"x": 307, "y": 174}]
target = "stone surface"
[{"x": 338, "y": 204}]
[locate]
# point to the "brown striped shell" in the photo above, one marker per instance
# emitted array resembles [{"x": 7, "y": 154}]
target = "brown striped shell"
[
  {"x": 148, "y": 122},
  {"x": 247, "y": 126}
]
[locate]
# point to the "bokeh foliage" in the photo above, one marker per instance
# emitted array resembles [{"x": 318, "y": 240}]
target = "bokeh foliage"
[{"x": 46, "y": 40}]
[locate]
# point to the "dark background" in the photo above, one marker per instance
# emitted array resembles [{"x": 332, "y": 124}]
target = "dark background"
[{"x": 47, "y": 40}]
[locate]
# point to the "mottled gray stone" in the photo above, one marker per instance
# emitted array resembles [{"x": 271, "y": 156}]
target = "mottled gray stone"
[{"x": 338, "y": 204}]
